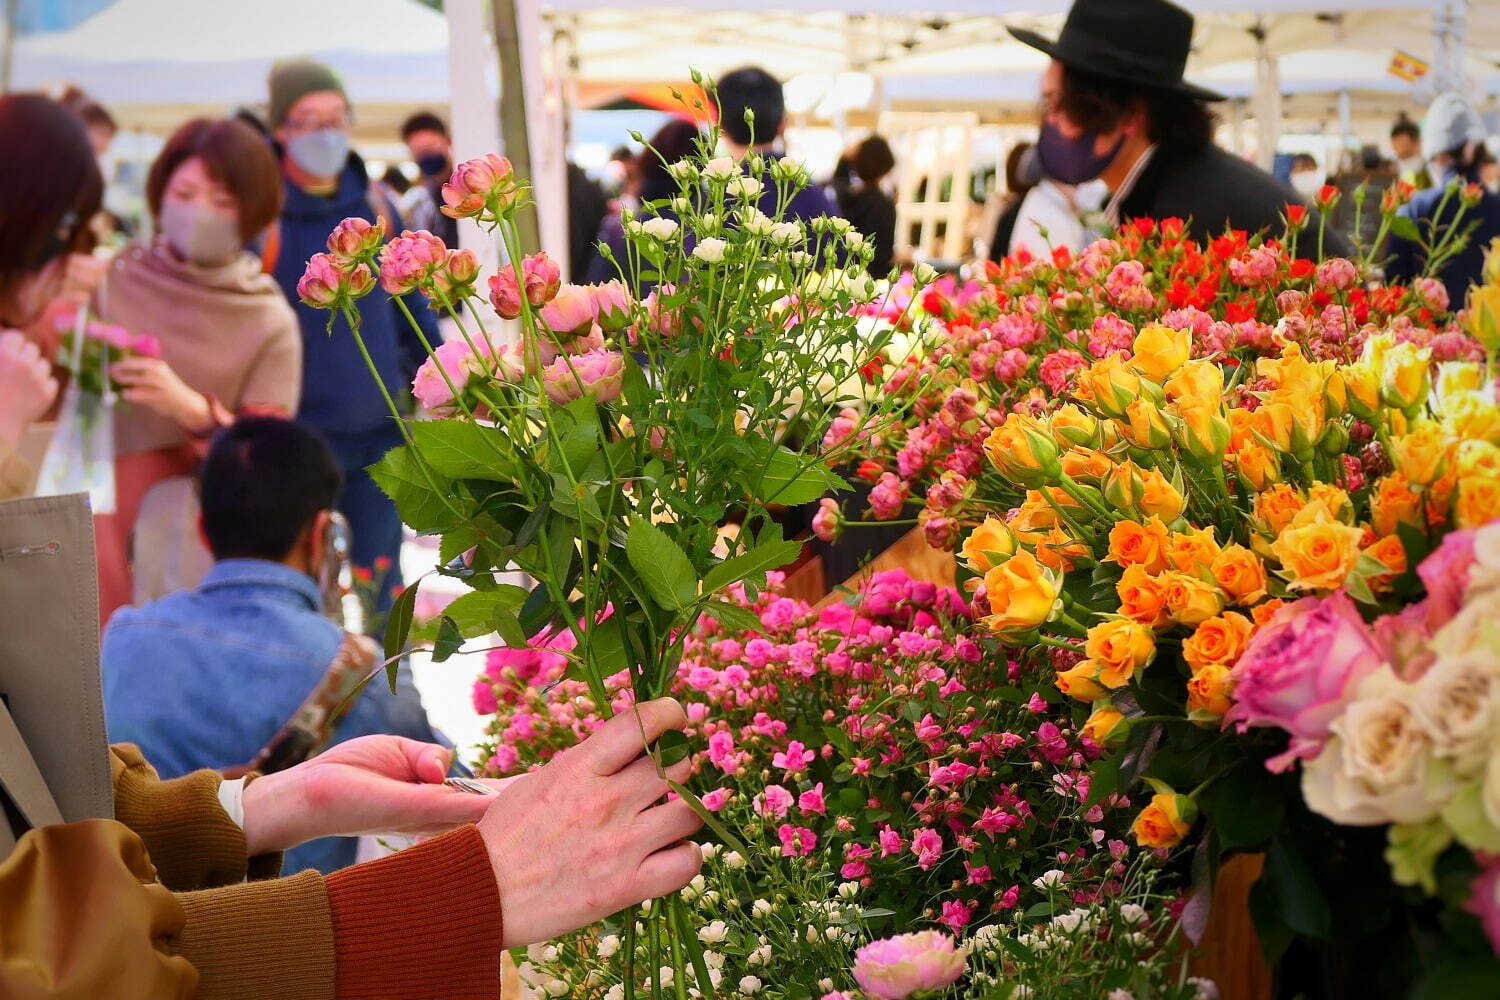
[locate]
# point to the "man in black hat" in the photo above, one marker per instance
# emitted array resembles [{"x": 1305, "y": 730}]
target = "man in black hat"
[{"x": 1115, "y": 107}]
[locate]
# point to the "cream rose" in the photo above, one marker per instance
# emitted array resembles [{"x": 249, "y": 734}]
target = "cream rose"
[{"x": 1455, "y": 705}]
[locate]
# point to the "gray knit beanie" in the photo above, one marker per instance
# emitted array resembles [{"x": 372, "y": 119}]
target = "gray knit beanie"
[{"x": 293, "y": 79}]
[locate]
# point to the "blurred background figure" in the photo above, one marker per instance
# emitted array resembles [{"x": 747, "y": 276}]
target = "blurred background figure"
[
  {"x": 229, "y": 345},
  {"x": 753, "y": 93},
  {"x": 671, "y": 143},
  {"x": 1406, "y": 146},
  {"x": 857, "y": 183},
  {"x": 1305, "y": 176},
  {"x": 1018, "y": 183},
  {"x": 618, "y": 174},
  {"x": 431, "y": 149}
]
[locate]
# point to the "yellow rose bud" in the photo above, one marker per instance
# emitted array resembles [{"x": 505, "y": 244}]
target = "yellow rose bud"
[
  {"x": 1274, "y": 425},
  {"x": 1190, "y": 599},
  {"x": 1119, "y": 648},
  {"x": 1076, "y": 427},
  {"x": 1209, "y": 693},
  {"x": 1164, "y": 822},
  {"x": 1335, "y": 439},
  {"x": 1362, "y": 380},
  {"x": 988, "y": 545},
  {"x": 1144, "y": 426},
  {"x": 1220, "y": 639},
  {"x": 1086, "y": 463},
  {"x": 1106, "y": 726},
  {"x": 1335, "y": 392},
  {"x": 1022, "y": 449},
  {"x": 1483, "y": 322},
  {"x": 1159, "y": 497},
  {"x": 1333, "y": 498},
  {"x": 1159, "y": 351},
  {"x": 1124, "y": 486},
  {"x": 1404, "y": 378},
  {"x": 1491, "y": 273},
  {"x": 1143, "y": 598},
  {"x": 1316, "y": 551},
  {"x": 1081, "y": 683},
  {"x": 1200, "y": 382},
  {"x": 1478, "y": 501},
  {"x": 1202, "y": 432},
  {"x": 1376, "y": 347},
  {"x": 1457, "y": 379},
  {"x": 1258, "y": 466},
  {"x": 1021, "y": 593},
  {"x": 1240, "y": 574},
  {"x": 1421, "y": 454},
  {"x": 1110, "y": 385}
]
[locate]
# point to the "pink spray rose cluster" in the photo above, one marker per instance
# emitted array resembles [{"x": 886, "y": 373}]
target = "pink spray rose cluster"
[
  {"x": 897, "y": 967},
  {"x": 485, "y": 188}
]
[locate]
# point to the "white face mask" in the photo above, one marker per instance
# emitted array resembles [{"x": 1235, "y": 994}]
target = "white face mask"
[
  {"x": 1306, "y": 182},
  {"x": 198, "y": 234}
]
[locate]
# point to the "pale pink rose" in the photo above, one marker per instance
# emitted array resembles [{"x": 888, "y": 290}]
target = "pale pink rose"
[
  {"x": 897, "y": 967},
  {"x": 543, "y": 278},
  {"x": 461, "y": 364},
  {"x": 356, "y": 238},
  {"x": 505, "y": 293},
  {"x": 571, "y": 312},
  {"x": 326, "y": 285},
  {"x": 584, "y": 343},
  {"x": 827, "y": 524},
  {"x": 1445, "y": 573},
  {"x": 1336, "y": 274},
  {"x": 453, "y": 280},
  {"x": 485, "y": 182},
  {"x": 612, "y": 305},
  {"x": 1301, "y": 670},
  {"x": 716, "y": 799},
  {"x": 599, "y": 374},
  {"x": 407, "y": 262}
]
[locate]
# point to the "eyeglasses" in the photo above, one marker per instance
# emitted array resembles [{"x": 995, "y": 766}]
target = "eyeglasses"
[{"x": 342, "y": 123}]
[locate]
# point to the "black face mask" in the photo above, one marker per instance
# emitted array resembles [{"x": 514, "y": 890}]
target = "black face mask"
[
  {"x": 1072, "y": 161},
  {"x": 433, "y": 164}
]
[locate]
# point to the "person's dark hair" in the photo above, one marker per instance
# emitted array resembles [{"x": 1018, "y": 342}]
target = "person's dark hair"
[
  {"x": 1405, "y": 126},
  {"x": 1173, "y": 121},
  {"x": 753, "y": 89},
  {"x": 1304, "y": 161},
  {"x": 622, "y": 153},
  {"x": 1016, "y": 182},
  {"x": 873, "y": 159},
  {"x": 394, "y": 179},
  {"x": 50, "y": 187},
  {"x": 263, "y": 482},
  {"x": 672, "y": 142},
  {"x": 423, "y": 121},
  {"x": 96, "y": 115},
  {"x": 235, "y": 155},
  {"x": 249, "y": 117}
]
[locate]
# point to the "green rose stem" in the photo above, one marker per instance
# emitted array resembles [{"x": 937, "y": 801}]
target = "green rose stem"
[
  {"x": 674, "y": 941},
  {"x": 629, "y": 945},
  {"x": 678, "y": 910},
  {"x": 653, "y": 939}
]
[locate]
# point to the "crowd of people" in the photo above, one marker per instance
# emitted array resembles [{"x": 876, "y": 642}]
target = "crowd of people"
[{"x": 241, "y": 485}]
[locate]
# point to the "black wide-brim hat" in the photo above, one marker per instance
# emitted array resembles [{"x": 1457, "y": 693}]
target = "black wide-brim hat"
[{"x": 1142, "y": 42}]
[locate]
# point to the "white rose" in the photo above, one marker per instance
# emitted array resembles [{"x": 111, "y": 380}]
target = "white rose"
[
  {"x": 660, "y": 229},
  {"x": 557, "y": 988},
  {"x": 755, "y": 222},
  {"x": 924, "y": 273},
  {"x": 838, "y": 225},
  {"x": 1474, "y": 627},
  {"x": 749, "y": 985},
  {"x": 681, "y": 206},
  {"x": 709, "y": 222},
  {"x": 744, "y": 188},
  {"x": 787, "y": 234},
  {"x": 608, "y": 945},
  {"x": 710, "y": 250},
  {"x": 714, "y": 932},
  {"x": 1455, "y": 702},
  {"x": 761, "y": 908},
  {"x": 1049, "y": 879},
  {"x": 854, "y": 240},
  {"x": 1132, "y": 913},
  {"x": 720, "y": 168},
  {"x": 682, "y": 171},
  {"x": 733, "y": 860},
  {"x": 789, "y": 171}
]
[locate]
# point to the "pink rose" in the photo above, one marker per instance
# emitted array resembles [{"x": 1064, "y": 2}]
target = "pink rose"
[
  {"x": 453, "y": 280},
  {"x": 599, "y": 374},
  {"x": 775, "y": 801},
  {"x": 325, "y": 284},
  {"x": 1445, "y": 573},
  {"x": 1336, "y": 274},
  {"x": 356, "y": 238},
  {"x": 812, "y": 800},
  {"x": 505, "y": 293},
  {"x": 407, "y": 262},
  {"x": 897, "y": 967},
  {"x": 796, "y": 841},
  {"x": 716, "y": 799},
  {"x": 542, "y": 277},
  {"x": 927, "y": 845},
  {"x": 485, "y": 182},
  {"x": 1484, "y": 898},
  {"x": 1300, "y": 671},
  {"x": 611, "y": 305},
  {"x": 571, "y": 312},
  {"x": 147, "y": 346},
  {"x": 827, "y": 524},
  {"x": 460, "y": 363}
]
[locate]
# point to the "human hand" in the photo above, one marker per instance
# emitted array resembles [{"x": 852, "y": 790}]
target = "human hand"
[
  {"x": 370, "y": 785},
  {"x": 27, "y": 387},
  {"x": 588, "y": 834},
  {"x": 151, "y": 382}
]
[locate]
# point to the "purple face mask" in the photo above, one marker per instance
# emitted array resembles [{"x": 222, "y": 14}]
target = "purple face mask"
[{"x": 1072, "y": 161}]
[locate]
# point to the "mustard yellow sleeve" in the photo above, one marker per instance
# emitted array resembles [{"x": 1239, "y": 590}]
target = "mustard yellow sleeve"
[{"x": 15, "y": 473}]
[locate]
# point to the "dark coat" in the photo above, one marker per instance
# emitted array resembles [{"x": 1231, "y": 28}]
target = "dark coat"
[
  {"x": 873, "y": 213},
  {"x": 1213, "y": 190},
  {"x": 1408, "y": 259}
]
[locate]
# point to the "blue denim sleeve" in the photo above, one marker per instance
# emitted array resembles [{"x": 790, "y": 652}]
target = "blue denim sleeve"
[{"x": 378, "y": 711}]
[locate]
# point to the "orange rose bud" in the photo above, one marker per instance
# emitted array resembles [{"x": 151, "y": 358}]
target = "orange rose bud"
[
  {"x": 1081, "y": 683},
  {"x": 1220, "y": 639},
  {"x": 1143, "y": 598},
  {"x": 1134, "y": 544},
  {"x": 1394, "y": 502},
  {"x": 1160, "y": 497},
  {"x": 1190, "y": 600},
  {"x": 987, "y": 545},
  {"x": 1165, "y": 821},
  {"x": 1021, "y": 594},
  {"x": 1240, "y": 574},
  {"x": 1263, "y": 613},
  {"x": 1119, "y": 648},
  {"x": 1106, "y": 726},
  {"x": 1209, "y": 692},
  {"x": 1391, "y": 554}
]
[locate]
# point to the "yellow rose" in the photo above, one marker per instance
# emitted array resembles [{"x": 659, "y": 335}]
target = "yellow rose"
[
  {"x": 1335, "y": 391},
  {"x": 1144, "y": 426},
  {"x": 1292, "y": 371},
  {"x": 1316, "y": 551},
  {"x": 1106, "y": 725},
  {"x": 1119, "y": 648},
  {"x": 1086, "y": 463},
  {"x": 1160, "y": 350},
  {"x": 1471, "y": 417},
  {"x": 1258, "y": 467},
  {"x": 1209, "y": 692},
  {"x": 1421, "y": 454},
  {"x": 1203, "y": 432},
  {"x": 1362, "y": 380},
  {"x": 1021, "y": 594},
  {"x": 1193, "y": 551},
  {"x": 1165, "y": 821},
  {"x": 1404, "y": 377},
  {"x": 1276, "y": 507},
  {"x": 1335, "y": 500},
  {"x": 1242, "y": 427},
  {"x": 1240, "y": 574},
  {"x": 1189, "y": 599},
  {"x": 1081, "y": 683},
  {"x": 1134, "y": 544},
  {"x": 1478, "y": 458},
  {"x": 1110, "y": 385},
  {"x": 1484, "y": 310},
  {"x": 1490, "y": 274},
  {"x": 1060, "y": 550},
  {"x": 1457, "y": 379},
  {"x": 1220, "y": 639},
  {"x": 1077, "y": 428},
  {"x": 1273, "y": 425},
  {"x": 1159, "y": 497},
  {"x": 988, "y": 545},
  {"x": 1200, "y": 382},
  {"x": 1022, "y": 449},
  {"x": 1034, "y": 519},
  {"x": 1393, "y": 502},
  {"x": 1142, "y": 596},
  {"x": 1478, "y": 501}
]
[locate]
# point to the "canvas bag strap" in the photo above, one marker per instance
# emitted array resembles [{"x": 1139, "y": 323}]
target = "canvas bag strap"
[{"x": 25, "y": 800}]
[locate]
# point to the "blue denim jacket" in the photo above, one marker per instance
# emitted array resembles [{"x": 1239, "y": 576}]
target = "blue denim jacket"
[{"x": 205, "y": 677}]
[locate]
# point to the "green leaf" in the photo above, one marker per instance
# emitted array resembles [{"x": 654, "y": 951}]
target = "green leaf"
[
  {"x": 509, "y": 626},
  {"x": 768, "y": 556},
  {"x": 473, "y": 614},
  {"x": 694, "y": 803},
  {"x": 1404, "y": 227},
  {"x": 1247, "y": 806},
  {"x": 448, "y": 640},
  {"x": 662, "y": 565},
  {"x": 1299, "y": 902},
  {"x": 606, "y": 644},
  {"x": 789, "y": 480},
  {"x": 733, "y": 617},
  {"x": 671, "y": 747},
  {"x": 459, "y": 449},
  {"x": 399, "y": 476},
  {"x": 397, "y": 628}
]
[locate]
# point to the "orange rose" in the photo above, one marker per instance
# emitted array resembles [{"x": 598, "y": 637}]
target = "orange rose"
[
  {"x": 1391, "y": 554},
  {"x": 1142, "y": 597},
  {"x": 1021, "y": 594},
  {"x": 1109, "y": 385},
  {"x": 1394, "y": 502},
  {"x": 1165, "y": 821},
  {"x": 1192, "y": 551},
  {"x": 1209, "y": 692},
  {"x": 1277, "y": 506},
  {"x": 1242, "y": 424},
  {"x": 1061, "y": 551},
  {"x": 1160, "y": 497},
  {"x": 1081, "y": 683},
  {"x": 1086, "y": 463},
  {"x": 1220, "y": 639},
  {"x": 1263, "y": 613},
  {"x": 1273, "y": 425},
  {"x": 1440, "y": 496},
  {"x": 1106, "y": 725},
  {"x": 1316, "y": 552},
  {"x": 1333, "y": 498},
  {"x": 1033, "y": 519},
  {"x": 1258, "y": 466},
  {"x": 1119, "y": 648},
  {"x": 1190, "y": 600},
  {"x": 1478, "y": 501},
  {"x": 1134, "y": 544},
  {"x": 988, "y": 545},
  {"x": 1023, "y": 449},
  {"x": 1240, "y": 574}
]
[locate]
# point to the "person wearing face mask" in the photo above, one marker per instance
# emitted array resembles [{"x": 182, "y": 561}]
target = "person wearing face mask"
[
  {"x": 1116, "y": 108},
  {"x": 427, "y": 141},
  {"x": 1453, "y": 144},
  {"x": 1305, "y": 176},
  {"x": 325, "y": 183},
  {"x": 1406, "y": 144},
  {"x": 229, "y": 345}
]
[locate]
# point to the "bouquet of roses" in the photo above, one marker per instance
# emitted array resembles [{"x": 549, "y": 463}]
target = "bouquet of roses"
[
  {"x": 89, "y": 347},
  {"x": 909, "y": 780}
]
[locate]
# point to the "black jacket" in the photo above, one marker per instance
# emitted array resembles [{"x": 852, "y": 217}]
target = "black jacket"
[
  {"x": 1213, "y": 190},
  {"x": 1462, "y": 270}
]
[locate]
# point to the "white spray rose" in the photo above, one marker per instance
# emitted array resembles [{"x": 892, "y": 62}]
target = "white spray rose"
[
  {"x": 744, "y": 188},
  {"x": 720, "y": 168},
  {"x": 710, "y": 250},
  {"x": 787, "y": 234},
  {"x": 660, "y": 229}
]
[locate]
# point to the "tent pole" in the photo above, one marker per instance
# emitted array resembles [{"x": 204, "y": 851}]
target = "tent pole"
[
  {"x": 1448, "y": 24},
  {"x": 8, "y": 43},
  {"x": 514, "y": 136}
]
